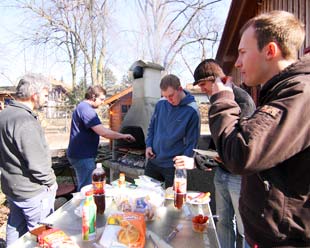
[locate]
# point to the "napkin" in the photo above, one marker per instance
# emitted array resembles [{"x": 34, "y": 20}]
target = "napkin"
[{"x": 159, "y": 242}]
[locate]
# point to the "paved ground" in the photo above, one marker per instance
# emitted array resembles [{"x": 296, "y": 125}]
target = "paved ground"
[{"x": 61, "y": 140}]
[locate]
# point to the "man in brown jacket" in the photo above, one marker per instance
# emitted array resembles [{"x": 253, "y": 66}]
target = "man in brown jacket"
[{"x": 271, "y": 149}]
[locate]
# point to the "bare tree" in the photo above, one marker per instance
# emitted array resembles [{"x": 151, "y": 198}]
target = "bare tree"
[
  {"x": 76, "y": 26},
  {"x": 171, "y": 25}
]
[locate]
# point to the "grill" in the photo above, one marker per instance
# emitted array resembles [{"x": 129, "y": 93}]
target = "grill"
[
  {"x": 130, "y": 157},
  {"x": 130, "y": 154}
]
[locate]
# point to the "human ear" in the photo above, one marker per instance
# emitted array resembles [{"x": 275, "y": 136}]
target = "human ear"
[
  {"x": 34, "y": 97},
  {"x": 272, "y": 50}
]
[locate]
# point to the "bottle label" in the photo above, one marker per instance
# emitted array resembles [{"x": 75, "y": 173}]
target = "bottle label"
[
  {"x": 98, "y": 187},
  {"x": 89, "y": 220},
  {"x": 180, "y": 185}
]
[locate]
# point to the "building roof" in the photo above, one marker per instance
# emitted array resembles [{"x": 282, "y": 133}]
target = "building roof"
[
  {"x": 7, "y": 89},
  {"x": 146, "y": 64},
  {"x": 117, "y": 96},
  {"x": 239, "y": 13}
]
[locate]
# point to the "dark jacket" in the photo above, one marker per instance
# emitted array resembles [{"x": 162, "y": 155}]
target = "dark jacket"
[
  {"x": 247, "y": 107},
  {"x": 272, "y": 150},
  {"x": 25, "y": 161}
]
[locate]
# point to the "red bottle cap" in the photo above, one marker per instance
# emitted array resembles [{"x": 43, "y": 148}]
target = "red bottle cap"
[
  {"x": 89, "y": 192},
  {"x": 224, "y": 79}
]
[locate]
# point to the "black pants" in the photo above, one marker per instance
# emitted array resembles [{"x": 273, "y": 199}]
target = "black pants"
[{"x": 160, "y": 173}]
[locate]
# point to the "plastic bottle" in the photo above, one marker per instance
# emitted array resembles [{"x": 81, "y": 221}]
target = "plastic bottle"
[
  {"x": 89, "y": 218},
  {"x": 99, "y": 179},
  {"x": 180, "y": 187},
  {"x": 121, "y": 181}
]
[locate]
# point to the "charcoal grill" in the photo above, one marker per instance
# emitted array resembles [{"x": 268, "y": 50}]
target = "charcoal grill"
[
  {"x": 130, "y": 157},
  {"x": 130, "y": 154}
]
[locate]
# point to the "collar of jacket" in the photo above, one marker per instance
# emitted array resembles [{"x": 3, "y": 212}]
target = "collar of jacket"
[
  {"x": 300, "y": 67},
  {"x": 18, "y": 104}
]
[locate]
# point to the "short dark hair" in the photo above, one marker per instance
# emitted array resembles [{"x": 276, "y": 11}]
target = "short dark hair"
[
  {"x": 278, "y": 26},
  {"x": 208, "y": 69},
  {"x": 94, "y": 91},
  {"x": 170, "y": 80}
]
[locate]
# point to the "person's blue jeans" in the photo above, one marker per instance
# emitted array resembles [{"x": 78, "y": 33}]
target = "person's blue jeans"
[
  {"x": 227, "y": 193},
  {"x": 83, "y": 169},
  {"x": 25, "y": 215}
]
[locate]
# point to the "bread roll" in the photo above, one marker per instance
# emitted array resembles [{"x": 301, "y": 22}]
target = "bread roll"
[{"x": 129, "y": 234}]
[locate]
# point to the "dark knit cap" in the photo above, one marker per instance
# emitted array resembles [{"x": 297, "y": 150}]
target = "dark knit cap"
[{"x": 209, "y": 70}]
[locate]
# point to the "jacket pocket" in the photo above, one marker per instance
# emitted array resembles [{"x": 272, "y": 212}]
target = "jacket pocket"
[{"x": 274, "y": 212}]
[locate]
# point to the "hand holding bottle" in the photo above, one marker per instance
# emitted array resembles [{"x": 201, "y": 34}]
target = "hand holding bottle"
[{"x": 184, "y": 162}]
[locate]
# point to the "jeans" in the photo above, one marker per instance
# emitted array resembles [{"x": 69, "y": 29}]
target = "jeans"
[
  {"x": 25, "y": 215},
  {"x": 160, "y": 173},
  {"x": 83, "y": 169},
  {"x": 227, "y": 193}
]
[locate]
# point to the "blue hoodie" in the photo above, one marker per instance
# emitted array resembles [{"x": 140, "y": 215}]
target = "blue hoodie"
[{"x": 173, "y": 130}]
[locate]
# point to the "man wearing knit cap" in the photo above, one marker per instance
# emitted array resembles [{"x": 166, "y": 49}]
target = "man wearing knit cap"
[{"x": 227, "y": 185}]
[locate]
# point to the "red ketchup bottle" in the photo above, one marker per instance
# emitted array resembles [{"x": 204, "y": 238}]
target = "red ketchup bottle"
[
  {"x": 99, "y": 179},
  {"x": 180, "y": 187}
]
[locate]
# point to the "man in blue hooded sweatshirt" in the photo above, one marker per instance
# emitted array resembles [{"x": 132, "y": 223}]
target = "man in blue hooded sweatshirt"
[{"x": 174, "y": 130}]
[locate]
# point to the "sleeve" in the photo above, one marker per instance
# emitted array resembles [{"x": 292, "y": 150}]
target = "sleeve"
[
  {"x": 151, "y": 129},
  {"x": 192, "y": 134},
  {"x": 89, "y": 116},
  {"x": 34, "y": 150},
  {"x": 261, "y": 141},
  {"x": 245, "y": 102}
]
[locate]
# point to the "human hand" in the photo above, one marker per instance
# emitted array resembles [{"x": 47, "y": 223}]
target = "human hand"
[
  {"x": 218, "y": 159},
  {"x": 184, "y": 162},
  {"x": 149, "y": 153},
  {"x": 129, "y": 138},
  {"x": 222, "y": 84}
]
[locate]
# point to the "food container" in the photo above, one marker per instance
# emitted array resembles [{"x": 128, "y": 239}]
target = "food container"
[
  {"x": 200, "y": 223},
  {"x": 124, "y": 230},
  {"x": 200, "y": 228},
  {"x": 140, "y": 200}
]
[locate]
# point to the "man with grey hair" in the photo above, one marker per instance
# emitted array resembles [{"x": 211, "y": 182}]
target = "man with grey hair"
[{"x": 27, "y": 177}]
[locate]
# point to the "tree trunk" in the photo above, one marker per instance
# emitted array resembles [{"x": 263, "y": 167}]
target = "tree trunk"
[
  {"x": 73, "y": 73},
  {"x": 100, "y": 68},
  {"x": 94, "y": 79}
]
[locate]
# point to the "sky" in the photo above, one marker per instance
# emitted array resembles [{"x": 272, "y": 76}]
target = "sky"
[{"x": 16, "y": 59}]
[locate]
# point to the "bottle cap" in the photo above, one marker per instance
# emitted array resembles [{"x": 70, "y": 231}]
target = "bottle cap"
[
  {"x": 89, "y": 192},
  {"x": 99, "y": 165}
]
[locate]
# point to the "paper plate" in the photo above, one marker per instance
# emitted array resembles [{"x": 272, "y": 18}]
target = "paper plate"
[
  {"x": 208, "y": 153},
  {"x": 198, "y": 197},
  {"x": 191, "y": 197},
  {"x": 169, "y": 193}
]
